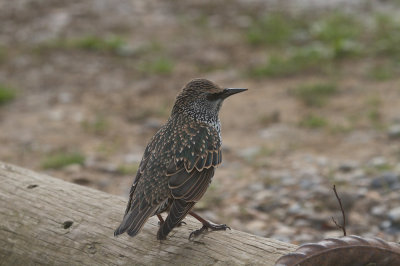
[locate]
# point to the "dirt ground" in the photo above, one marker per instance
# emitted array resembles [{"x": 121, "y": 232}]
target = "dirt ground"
[{"x": 105, "y": 104}]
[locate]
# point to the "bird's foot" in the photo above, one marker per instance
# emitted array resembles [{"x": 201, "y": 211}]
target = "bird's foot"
[{"x": 206, "y": 227}]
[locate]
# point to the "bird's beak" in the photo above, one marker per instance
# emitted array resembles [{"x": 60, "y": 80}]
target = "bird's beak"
[{"x": 230, "y": 91}]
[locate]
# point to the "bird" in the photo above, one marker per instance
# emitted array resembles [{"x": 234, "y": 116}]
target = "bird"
[{"x": 179, "y": 162}]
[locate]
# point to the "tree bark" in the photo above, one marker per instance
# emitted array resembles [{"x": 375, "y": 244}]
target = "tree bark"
[{"x": 47, "y": 221}]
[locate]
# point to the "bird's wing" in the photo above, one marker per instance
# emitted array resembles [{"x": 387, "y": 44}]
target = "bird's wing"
[
  {"x": 141, "y": 169},
  {"x": 178, "y": 162},
  {"x": 190, "y": 186},
  {"x": 191, "y": 173},
  {"x": 145, "y": 194}
]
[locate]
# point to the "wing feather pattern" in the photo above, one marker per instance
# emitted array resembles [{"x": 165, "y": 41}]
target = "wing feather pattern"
[
  {"x": 176, "y": 170},
  {"x": 138, "y": 209},
  {"x": 187, "y": 187}
]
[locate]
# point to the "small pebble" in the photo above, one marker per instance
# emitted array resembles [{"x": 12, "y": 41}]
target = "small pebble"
[{"x": 394, "y": 131}]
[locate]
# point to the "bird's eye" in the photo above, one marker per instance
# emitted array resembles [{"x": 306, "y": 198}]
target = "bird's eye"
[{"x": 214, "y": 96}]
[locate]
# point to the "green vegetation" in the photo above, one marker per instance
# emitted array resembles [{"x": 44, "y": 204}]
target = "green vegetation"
[
  {"x": 307, "y": 58},
  {"x": 269, "y": 118},
  {"x": 373, "y": 113},
  {"x": 386, "y": 37},
  {"x": 155, "y": 60},
  {"x": 60, "y": 160},
  {"x": 111, "y": 44},
  {"x": 374, "y": 101},
  {"x": 340, "y": 128},
  {"x": 160, "y": 65},
  {"x": 315, "y": 94},
  {"x": 94, "y": 43},
  {"x": 2, "y": 52},
  {"x": 6, "y": 94},
  {"x": 313, "y": 43},
  {"x": 273, "y": 29},
  {"x": 374, "y": 116},
  {"x": 128, "y": 169},
  {"x": 384, "y": 167},
  {"x": 382, "y": 72},
  {"x": 152, "y": 47},
  {"x": 338, "y": 31},
  {"x": 98, "y": 126},
  {"x": 379, "y": 168},
  {"x": 313, "y": 121}
]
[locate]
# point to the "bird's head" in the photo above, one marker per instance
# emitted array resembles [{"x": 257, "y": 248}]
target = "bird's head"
[{"x": 202, "y": 97}]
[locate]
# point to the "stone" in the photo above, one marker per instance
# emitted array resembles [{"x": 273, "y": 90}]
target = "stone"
[
  {"x": 333, "y": 233},
  {"x": 385, "y": 180},
  {"x": 109, "y": 168},
  {"x": 256, "y": 187},
  {"x": 394, "y": 131},
  {"x": 303, "y": 238},
  {"x": 73, "y": 168},
  {"x": 263, "y": 195},
  {"x": 152, "y": 124},
  {"x": 379, "y": 210},
  {"x": 64, "y": 97},
  {"x": 256, "y": 225},
  {"x": 385, "y": 224},
  {"x": 301, "y": 223},
  {"x": 249, "y": 153},
  {"x": 285, "y": 230},
  {"x": 295, "y": 208},
  {"x": 132, "y": 158},
  {"x": 378, "y": 161},
  {"x": 394, "y": 215},
  {"x": 346, "y": 167},
  {"x": 307, "y": 183},
  {"x": 268, "y": 206},
  {"x": 126, "y": 50}
]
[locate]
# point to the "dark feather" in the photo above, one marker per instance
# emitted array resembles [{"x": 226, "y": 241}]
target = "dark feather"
[
  {"x": 209, "y": 160},
  {"x": 178, "y": 211},
  {"x": 190, "y": 186},
  {"x": 134, "y": 220},
  {"x": 177, "y": 167},
  {"x": 201, "y": 162}
]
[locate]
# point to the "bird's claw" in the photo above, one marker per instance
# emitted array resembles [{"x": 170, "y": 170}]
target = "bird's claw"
[
  {"x": 180, "y": 224},
  {"x": 211, "y": 226},
  {"x": 197, "y": 232}
]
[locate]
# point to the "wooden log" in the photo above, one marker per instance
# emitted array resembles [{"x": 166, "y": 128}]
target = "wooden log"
[{"x": 47, "y": 221}]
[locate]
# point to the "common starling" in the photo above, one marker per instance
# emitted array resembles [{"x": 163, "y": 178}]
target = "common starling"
[{"x": 179, "y": 162}]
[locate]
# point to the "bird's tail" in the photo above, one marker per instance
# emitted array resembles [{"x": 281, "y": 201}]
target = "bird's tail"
[
  {"x": 178, "y": 211},
  {"x": 134, "y": 219}
]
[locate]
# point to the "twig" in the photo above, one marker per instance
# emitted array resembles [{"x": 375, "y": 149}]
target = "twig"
[{"x": 343, "y": 226}]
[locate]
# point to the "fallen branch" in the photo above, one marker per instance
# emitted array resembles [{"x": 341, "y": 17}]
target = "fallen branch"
[{"x": 45, "y": 221}]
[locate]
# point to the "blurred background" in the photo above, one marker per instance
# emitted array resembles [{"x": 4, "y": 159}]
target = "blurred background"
[{"x": 85, "y": 84}]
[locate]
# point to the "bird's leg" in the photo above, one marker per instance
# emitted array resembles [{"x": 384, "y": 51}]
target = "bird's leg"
[
  {"x": 160, "y": 223},
  {"x": 206, "y": 225}
]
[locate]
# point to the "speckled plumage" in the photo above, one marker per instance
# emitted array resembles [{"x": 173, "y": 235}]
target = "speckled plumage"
[{"x": 179, "y": 162}]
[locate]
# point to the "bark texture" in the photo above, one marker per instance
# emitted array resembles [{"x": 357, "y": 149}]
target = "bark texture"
[{"x": 47, "y": 221}]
